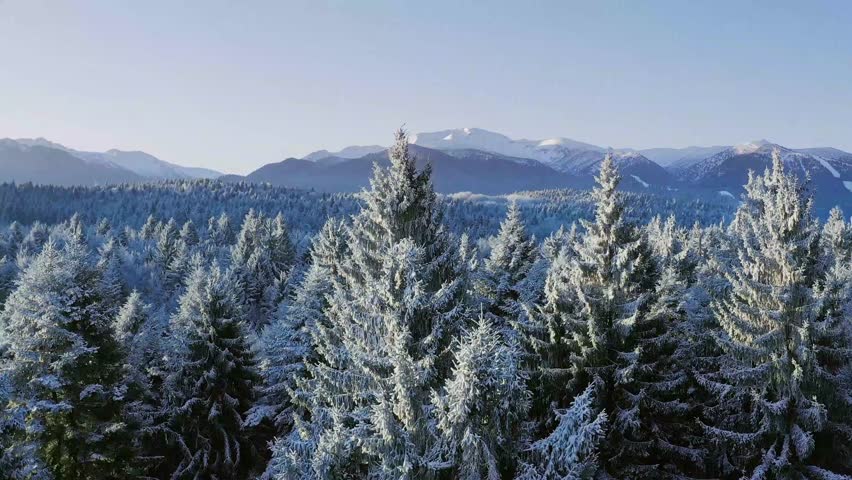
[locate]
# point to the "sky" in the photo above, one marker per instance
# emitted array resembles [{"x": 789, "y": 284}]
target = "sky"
[{"x": 234, "y": 85}]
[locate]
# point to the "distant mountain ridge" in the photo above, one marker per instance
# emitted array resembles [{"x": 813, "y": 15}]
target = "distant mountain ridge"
[
  {"x": 463, "y": 160},
  {"x": 39, "y": 160},
  {"x": 718, "y": 170},
  {"x": 455, "y": 171}
]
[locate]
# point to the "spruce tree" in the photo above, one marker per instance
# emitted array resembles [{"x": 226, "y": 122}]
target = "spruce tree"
[
  {"x": 570, "y": 451},
  {"x": 143, "y": 340},
  {"x": 262, "y": 256},
  {"x": 213, "y": 383},
  {"x": 212, "y": 370},
  {"x": 112, "y": 269},
  {"x": 287, "y": 343},
  {"x": 392, "y": 315},
  {"x": 65, "y": 367},
  {"x": 770, "y": 325},
  {"x": 505, "y": 269},
  {"x": 482, "y": 406},
  {"x": 593, "y": 304}
]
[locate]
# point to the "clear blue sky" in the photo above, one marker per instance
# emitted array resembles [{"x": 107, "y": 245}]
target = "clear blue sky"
[{"x": 236, "y": 84}]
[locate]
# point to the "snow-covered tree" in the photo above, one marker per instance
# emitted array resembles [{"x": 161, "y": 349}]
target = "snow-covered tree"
[
  {"x": 262, "y": 256},
  {"x": 112, "y": 268},
  {"x": 665, "y": 394},
  {"x": 65, "y": 367},
  {"x": 392, "y": 315},
  {"x": 482, "y": 406},
  {"x": 592, "y": 306},
  {"x": 189, "y": 234},
  {"x": 143, "y": 340},
  {"x": 213, "y": 382},
  {"x": 504, "y": 271},
  {"x": 103, "y": 227},
  {"x": 287, "y": 343},
  {"x": 570, "y": 451},
  {"x": 769, "y": 324},
  {"x": 18, "y": 459}
]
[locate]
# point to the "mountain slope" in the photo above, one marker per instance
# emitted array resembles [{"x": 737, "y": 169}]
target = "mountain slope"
[
  {"x": 45, "y": 165},
  {"x": 140, "y": 163},
  {"x": 829, "y": 170},
  {"x": 355, "y": 151},
  {"x": 549, "y": 151},
  {"x": 475, "y": 171},
  {"x": 672, "y": 156},
  {"x": 150, "y": 166}
]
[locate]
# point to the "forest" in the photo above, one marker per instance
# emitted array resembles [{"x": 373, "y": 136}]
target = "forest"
[{"x": 206, "y": 330}]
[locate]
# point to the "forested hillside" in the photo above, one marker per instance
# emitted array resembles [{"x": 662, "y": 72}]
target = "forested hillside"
[
  {"x": 206, "y": 330},
  {"x": 131, "y": 205}
]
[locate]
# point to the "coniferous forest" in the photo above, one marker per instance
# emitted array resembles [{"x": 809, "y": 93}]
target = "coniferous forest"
[{"x": 201, "y": 330}]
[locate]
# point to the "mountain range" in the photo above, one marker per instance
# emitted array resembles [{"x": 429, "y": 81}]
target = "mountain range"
[
  {"x": 464, "y": 160},
  {"x": 481, "y": 161},
  {"x": 42, "y": 161}
]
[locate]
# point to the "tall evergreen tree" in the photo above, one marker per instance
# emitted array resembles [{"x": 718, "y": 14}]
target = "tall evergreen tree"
[
  {"x": 262, "y": 256},
  {"x": 593, "y": 303},
  {"x": 287, "y": 343},
  {"x": 504, "y": 271},
  {"x": 213, "y": 383},
  {"x": 393, "y": 313},
  {"x": 769, "y": 327},
  {"x": 143, "y": 339},
  {"x": 482, "y": 406},
  {"x": 65, "y": 367}
]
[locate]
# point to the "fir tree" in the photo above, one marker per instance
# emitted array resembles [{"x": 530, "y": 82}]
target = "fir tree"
[
  {"x": 142, "y": 339},
  {"x": 286, "y": 344},
  {"x": 593, "y": 305},
  {"x": 262, "y": 256},
  {"x": 189, "y": 234},
  {"x": 111, "y": 268}
]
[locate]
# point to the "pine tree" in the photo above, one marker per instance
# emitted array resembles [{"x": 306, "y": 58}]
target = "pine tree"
[
  {"x": 482, "y": 406},
  {"x": 213, "y": 382},
  {"x": 65, "y": 367},
  {"x": 769, "y": 325}
]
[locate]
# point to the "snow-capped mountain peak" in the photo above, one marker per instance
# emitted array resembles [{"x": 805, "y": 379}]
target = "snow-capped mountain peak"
[
  {"x": 753, "y": 146},
  {"x": 354, "y": 151},
  {"x": 550, "y": 151}
]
